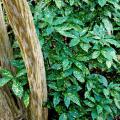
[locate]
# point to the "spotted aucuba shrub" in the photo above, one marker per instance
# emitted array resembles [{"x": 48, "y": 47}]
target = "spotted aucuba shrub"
[
  {"x": 80, "y": 42},
  {"x": 81, "y": 47}
]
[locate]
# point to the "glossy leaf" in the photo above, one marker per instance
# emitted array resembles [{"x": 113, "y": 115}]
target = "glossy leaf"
[
  {"x": 63, "y": 117},
  {"x": 4, "y": 81},
  {"x": 102, "y": 2},
  {"x": 74, "y": 42},
  {"x": 17, "y": 89}
]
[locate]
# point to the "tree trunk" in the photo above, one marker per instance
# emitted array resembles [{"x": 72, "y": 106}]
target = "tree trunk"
[
  {"x": 21, "y": 21},
  {"x": 5, "y": 48},
  {"x": 8, "y": 109},
  {"x": 5, "y": 110}
]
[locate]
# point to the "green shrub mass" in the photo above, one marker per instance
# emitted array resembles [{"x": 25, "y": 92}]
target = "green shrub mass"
[{"x": 80, "y": 41}]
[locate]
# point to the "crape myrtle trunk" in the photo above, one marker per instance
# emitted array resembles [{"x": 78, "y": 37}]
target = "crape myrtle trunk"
[
  {"x": 9, "y": 110},
  {"x": 21, "y": 20}
]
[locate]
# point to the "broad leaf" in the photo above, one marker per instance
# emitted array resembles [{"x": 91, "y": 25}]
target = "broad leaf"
[
  {"x": 74, "y": 98},
  {"x": 67, "y": 101},
  {"x": 102, "y": 2},
  {"x": 79, "y": 76},
  {"x": 74, "y": 42},
  {"x": 17, "y": 89},
  {"x": 4, "y": 81},
  {"x": 66, "y": 64},
  {"x": 26, "y": 99},
  {"x": 21, "y": 73},
  {"x": 108, "y": 25},
  {"x": 85, "y": 46},
  {"x": 63, "y": 117},
  {"x": 72, "y": 2},
  {"x": 106, "y": 92},
  {"x": 95, "y": 54},
  {"x": 56, "y": 99},
  {"x": 103, "y": 80},
  {"x": 6, "y": 73},
  {"x": 117, "y": 103},
  {"x": 109, "y": 63},
  {"x": 94, "y": 114},
  {"x": 58, "y": 3}
]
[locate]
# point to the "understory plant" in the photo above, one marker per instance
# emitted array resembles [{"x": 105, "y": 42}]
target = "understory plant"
[
  {"x": 80, "y": 42},
  {"x": 81, "y": 47}
]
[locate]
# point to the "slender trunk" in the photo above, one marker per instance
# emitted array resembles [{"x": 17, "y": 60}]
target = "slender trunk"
[
  {"x": 5, "y": 110},
  {"x": 5, "y": 48},
  {"x": 21, "y": 21},
  {"x": 8, "y": 109}
]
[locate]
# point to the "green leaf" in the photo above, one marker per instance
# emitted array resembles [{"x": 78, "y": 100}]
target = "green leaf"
[
  {"x": 72, "y": 2},
  {"x": 95, "y": 54},
  {"x": 94, "y": 114},
  {"x": 109, "y": 54},
  {"x": 103, "y": 80},
  {"x": 48, "y": 16},
  {"x": 99, "y": 109},
  {"x": 66, "y": 64},
  {"x": 113, "y": 42},
  {"x": 108, "y": 25},
  {"x": 106, "y": 92},
  {"x": 85, "y": 46},
  {"x": 53, "y": 86},
  {"x": 60, "y": 20},
  {"x": 15, "y": 44},
  {"x": 67, "y": 101},
  {"x": 24, "y": 81},
  {"x": 56, "y": 66},
  {"x": 90, "y": 85},
  {"x": 65, "y": 33},
  {"x": 92, "y": 99},
  {"x": 84, "y": 69},
  {"x": 26, "y": 99},
  {"x": 107, "y": 108},
  {"x": 17, "y": 89},
  {"x": 58, "y": 3},
  {"x": 79, "y": 76},
  {"x": 21, "y": 73},
  {"x": 79, "y": 65},
  {"x": 17, "y": 63},
  {"x": 87, "y": 94},
  {"x": 4, "y": 81},
  {"x": 99, "y": 32},
  {"x": 63, "y": 117},
  {"x": 41, "y": 39},
  {"x": 74, "y": 42},
  {"x": 6, "y": 73},
  {"x": 67, "y": 73},
  {"x": 49, "y": 31},
  {"x": 56, "y": 99},
  {"x": 88, "y": 103},
  {"x": 102, "y": 2},
  {"x": 74, "y": 98},
  {"x": 109, "y": 63},
  {"x": 117, "y": 103}
]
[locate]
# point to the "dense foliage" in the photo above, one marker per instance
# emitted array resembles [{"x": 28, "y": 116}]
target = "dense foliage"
[{"x": 80, "y": 43}]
